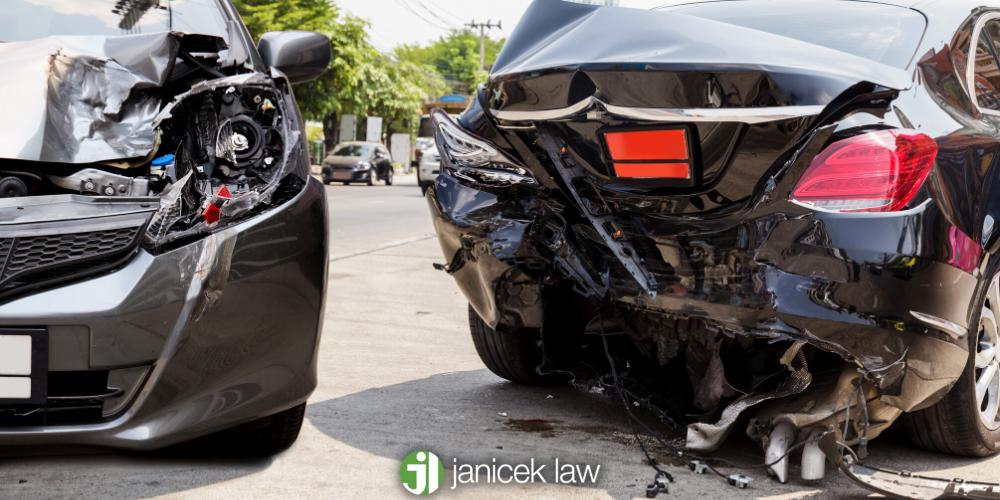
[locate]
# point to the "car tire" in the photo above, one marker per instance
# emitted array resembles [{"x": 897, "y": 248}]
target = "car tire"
[
  {"x": 514, "y": 356},
  {"x": 274, "y": 434},
  {"x": 957, "y": 425},
  {"x": 388, "y": 177},
  {"x": 423, "y": 189},
  {"x": 346, "y": 183},
  {"x": 372, "y": 175}
]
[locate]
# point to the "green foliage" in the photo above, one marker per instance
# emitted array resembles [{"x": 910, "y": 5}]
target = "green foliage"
[
  {"x": 362, "y": 81},
  {"x": 456, "y": 57}
]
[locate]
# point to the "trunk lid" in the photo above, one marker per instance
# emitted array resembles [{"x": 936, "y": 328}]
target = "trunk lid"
[{"x": 743, "y": 96}]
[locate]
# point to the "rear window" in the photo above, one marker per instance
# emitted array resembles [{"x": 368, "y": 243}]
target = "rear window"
[{"x": 884, "y": 33}]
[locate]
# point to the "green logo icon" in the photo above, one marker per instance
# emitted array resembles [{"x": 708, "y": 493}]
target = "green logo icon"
[{"x": 421, "y": 472}]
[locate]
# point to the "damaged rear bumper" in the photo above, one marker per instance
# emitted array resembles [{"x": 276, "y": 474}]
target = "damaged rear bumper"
[
  {"x": 225, "y": 330},
  {"x": 875, "y": 289}
]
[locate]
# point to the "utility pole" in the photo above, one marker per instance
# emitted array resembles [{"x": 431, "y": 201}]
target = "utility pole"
[{"x": 482, "y": 27}]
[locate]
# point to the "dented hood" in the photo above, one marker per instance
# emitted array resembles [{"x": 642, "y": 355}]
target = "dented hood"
[
  {"x": 561, "y": 53},
  {"x": 86, "y": 99}
]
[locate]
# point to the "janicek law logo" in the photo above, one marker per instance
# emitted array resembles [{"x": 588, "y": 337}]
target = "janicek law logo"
[{"x": 421, "y": 472}]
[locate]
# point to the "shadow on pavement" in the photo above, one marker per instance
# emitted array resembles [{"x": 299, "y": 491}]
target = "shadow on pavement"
[
  {"x": 74, "y": 472},
  {"x": 474, "y": 417}
]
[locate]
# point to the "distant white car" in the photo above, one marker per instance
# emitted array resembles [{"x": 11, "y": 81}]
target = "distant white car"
[{"x": 428, "y": 168}]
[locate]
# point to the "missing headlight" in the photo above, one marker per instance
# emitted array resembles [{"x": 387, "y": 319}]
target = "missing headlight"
[{"x": 223, "y": 153}]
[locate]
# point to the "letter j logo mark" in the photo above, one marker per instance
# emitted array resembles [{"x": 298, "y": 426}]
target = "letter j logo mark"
[{"x": 421, "y": 472}]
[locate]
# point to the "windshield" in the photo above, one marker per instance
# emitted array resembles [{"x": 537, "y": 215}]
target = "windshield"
[
  {"x": 882, "y": 33},
  {"x": 22, "y": 20},
  {"x": 360, "y": 150}
]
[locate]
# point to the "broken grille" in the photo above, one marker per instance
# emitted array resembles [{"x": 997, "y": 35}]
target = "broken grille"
[{"x": 28, "y": 263}]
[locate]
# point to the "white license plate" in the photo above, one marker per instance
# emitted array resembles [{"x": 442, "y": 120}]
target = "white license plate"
[
  {"x": 343, "y": 176},
  {"x": 15, "y": 367}
]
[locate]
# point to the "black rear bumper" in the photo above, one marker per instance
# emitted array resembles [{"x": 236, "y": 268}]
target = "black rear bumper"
[{"x": 882, "y": 291}]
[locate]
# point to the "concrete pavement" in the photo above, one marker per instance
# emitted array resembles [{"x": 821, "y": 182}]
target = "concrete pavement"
[{"x": 398, "y": 372}]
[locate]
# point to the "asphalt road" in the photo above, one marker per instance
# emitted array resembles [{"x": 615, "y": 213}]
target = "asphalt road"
[{"x": 398, "y": 372}]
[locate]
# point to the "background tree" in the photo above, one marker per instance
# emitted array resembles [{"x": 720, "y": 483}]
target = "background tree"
[
  {"x": 360, "y": 80},
  {"x": 456, "y": 57}
]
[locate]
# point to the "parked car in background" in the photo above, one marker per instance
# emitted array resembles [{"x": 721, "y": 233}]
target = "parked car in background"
[
  {"x": 157, "y": 207},
  {"x": 428, "y": 168},
  {"x": 358, "y": 162}
]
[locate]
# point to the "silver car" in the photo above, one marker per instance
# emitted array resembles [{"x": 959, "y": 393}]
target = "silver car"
[
  {"x": 163, "y": 248},
  {"x": 428, "y": 168}
]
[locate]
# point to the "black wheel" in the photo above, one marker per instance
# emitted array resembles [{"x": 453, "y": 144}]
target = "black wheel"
[
  {"x": 274, "y": 434},
  {"x": 514, "y": 356},
  {"x": 346, "y": 183},
  {"x": 372, "y": 175},
  {"x": 966, "y": 422},
  {"x": 423, "y": 189},
  {"x": 388, "y": 177},
  {"x": 326, "y": 182}
]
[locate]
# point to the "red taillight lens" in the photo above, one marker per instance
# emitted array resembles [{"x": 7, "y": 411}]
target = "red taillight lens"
[{"x": 872, "y": 172}]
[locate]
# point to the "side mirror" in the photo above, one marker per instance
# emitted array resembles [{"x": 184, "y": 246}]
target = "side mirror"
[{"x": 300, "y": 55}]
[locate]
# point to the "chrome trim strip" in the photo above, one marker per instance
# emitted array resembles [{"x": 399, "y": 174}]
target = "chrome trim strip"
[
  {"x": 943, "y": 325},
  {"x": 740, "y": 115}
]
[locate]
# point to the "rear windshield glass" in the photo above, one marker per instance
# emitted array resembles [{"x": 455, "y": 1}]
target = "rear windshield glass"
[
  {"x": 883, "y": 33},
  {"x": 22, "y": 20}
]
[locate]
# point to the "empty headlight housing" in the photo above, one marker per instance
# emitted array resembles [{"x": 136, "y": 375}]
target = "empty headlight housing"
[{"x": 233, "y": 153}]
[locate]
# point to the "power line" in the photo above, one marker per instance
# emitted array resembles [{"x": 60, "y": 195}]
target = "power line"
[
  {"x": 446, "y": 11},
  {"x": 422, "y": 18},
  {"x": 433, "y": 12}
]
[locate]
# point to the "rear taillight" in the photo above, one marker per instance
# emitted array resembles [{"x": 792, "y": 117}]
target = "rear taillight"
[{"x": 873, "y": 172}]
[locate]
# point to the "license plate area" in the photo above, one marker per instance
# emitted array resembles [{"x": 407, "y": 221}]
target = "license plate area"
[
  {"x": 342, "y": 175},
  {"x": 652, "y": 156},
  {"x": 24, "y": 366}
]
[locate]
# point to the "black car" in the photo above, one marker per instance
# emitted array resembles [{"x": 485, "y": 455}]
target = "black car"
[
  {"x": 780, "y": 209},
  {"x": 358, "y": 162},
  {"x": 156, "y": 210}
]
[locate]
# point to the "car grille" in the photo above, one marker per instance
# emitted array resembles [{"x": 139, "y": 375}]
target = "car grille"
[
  {"x": 75, "y": 398},
  {"x": 32, "y": 262}
]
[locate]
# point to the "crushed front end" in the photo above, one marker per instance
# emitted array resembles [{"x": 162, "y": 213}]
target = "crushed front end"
[
  {"x": 673, "y": 227},
  {"x": 162, "y": 243}
]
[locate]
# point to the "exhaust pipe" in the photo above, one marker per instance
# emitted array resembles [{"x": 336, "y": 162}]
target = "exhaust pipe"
[
  {"x": 813, "y": 459},
  {"x": 777, "y": 450}
]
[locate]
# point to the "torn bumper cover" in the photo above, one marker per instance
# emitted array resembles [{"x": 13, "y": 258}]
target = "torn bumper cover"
[{"x": 868, "y": 291}]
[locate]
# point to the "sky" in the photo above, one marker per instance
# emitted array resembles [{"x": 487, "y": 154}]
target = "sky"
[{"x": 394, "y": 22}]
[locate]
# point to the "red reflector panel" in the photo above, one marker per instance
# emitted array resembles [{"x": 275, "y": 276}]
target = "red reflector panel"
[
  {"x": 653, "y": 170},
  {"x": 648, "y": 145}
]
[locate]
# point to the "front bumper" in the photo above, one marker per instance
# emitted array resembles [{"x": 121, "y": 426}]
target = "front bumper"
[
  {"x": 331, "y": 174},
  {"x": 868, "y": 288},
  {"x": 229, "y": 326}
]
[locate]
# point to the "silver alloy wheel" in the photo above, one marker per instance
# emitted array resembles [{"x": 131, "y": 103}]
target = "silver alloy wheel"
[{"x": 988, "y": 360}]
